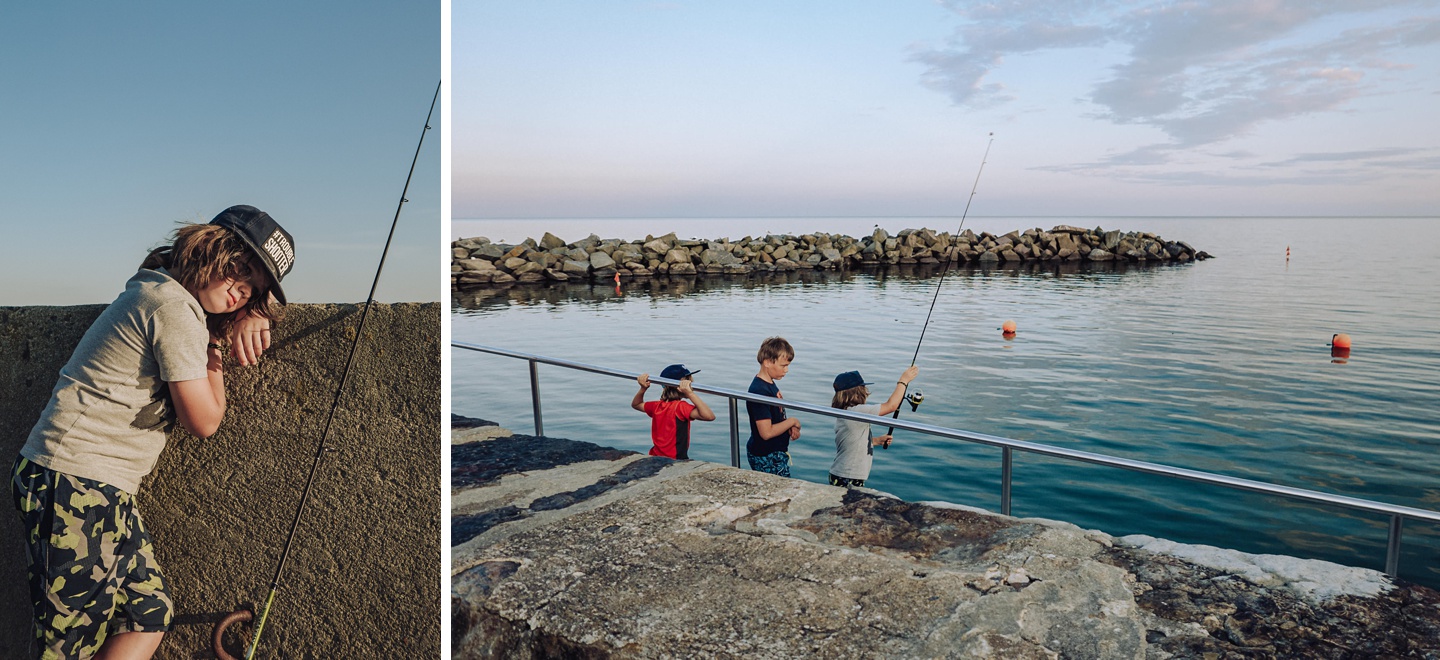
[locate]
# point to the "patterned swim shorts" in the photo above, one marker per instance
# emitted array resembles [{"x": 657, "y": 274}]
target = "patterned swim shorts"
[
  {"x": 846, "y": 482},
  {"x": 776, "y": 463},
  {"x": 92, "y": 564}
]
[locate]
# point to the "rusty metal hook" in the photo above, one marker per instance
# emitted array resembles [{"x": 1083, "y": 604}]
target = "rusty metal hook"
[{"x": 234, "y": 617}]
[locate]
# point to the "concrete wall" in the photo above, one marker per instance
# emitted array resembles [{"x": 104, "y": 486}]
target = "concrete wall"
[{"x": 363, "y": 580}]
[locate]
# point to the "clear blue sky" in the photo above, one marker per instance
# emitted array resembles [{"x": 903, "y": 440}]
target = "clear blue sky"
[
  {"x": 121, "y": 119},
  {"x": 693, "y": 108}
]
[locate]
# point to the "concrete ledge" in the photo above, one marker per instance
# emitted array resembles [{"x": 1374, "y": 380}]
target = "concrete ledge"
[
  {"x": 363, "y": 578},
  {"x": 613, "y": 554}
]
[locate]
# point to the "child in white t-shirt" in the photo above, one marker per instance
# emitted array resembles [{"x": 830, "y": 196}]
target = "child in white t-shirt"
[
  {"x": 854, "y": 442},
  {"x": 151, "y": 359}
]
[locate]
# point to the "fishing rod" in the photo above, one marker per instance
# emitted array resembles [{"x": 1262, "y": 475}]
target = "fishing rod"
[
  {"x": 322, "y": 449},
  {"x": 915, "y": 399}
]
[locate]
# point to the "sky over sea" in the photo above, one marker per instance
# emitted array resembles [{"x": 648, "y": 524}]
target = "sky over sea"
[
  {"x": 572, "y": 108},
  {"x": 120, "y": 120}
]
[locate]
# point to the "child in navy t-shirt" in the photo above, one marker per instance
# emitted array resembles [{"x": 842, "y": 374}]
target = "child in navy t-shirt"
[{"x": 768, "y": 449}]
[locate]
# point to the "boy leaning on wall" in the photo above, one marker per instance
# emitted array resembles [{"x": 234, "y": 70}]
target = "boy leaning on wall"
[{"x": 152, "y": 358}]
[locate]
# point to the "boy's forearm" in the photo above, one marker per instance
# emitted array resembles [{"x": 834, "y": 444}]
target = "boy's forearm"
[
  {"x": 777, "y": 430},
  {"x": 700, "y": 406},
  {"x": 896, "y": 398},
  {"x": 638, "y": 402},
  {"x": 215, "y": 373}
]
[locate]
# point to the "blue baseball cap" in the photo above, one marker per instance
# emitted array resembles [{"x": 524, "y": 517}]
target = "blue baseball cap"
[
  {"x": 677, "y": 372},
  {"x": 848, "y": 380}
]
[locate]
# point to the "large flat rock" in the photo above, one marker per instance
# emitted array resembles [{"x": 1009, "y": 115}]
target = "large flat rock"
[{"x": 564, "y": 548}]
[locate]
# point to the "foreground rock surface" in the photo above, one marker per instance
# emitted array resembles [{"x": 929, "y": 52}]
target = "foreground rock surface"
[{"x": 564, "y": 548}]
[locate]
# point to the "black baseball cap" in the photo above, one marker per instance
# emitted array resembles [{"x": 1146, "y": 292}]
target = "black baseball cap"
[
  {"x": 266, "y": 237},
  {"x": 848, "y": 380},
  {"x": 677, "y": 372}
]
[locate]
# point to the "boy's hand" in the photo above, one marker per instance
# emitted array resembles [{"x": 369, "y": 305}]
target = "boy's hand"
[
  {"x": 909, "y": 375},
  {"x": 881, "y": 441},
  {"x": 685, "y": 388},
  {"x": 249, "y": 337},
  {"x": 795, "y": 431},
  {"x": 644, "y": 381}
]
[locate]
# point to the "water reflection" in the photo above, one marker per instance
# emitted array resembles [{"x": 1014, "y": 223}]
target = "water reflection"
[{"x": 483, "y": 296}]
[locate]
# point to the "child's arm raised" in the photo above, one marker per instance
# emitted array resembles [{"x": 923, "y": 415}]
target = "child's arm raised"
[
  {"x": 200, "y": 403},
  {"x": 638, "y": 402},
  {"x": 701, "y": 411},
  {"x": 898, "y": 396}
]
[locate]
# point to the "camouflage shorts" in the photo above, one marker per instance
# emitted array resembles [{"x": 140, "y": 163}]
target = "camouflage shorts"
[
  {"x": 846, "y": 482},
  {"x": 774, "y": 463},
  {"x": 92, "y": 565}
]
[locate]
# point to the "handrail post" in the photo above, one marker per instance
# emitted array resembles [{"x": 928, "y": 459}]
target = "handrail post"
[
  {"x": 734, "y": 432},
  {"x": 1392, "y": 549},
  {"x": 1005, "y": 462},
  {"x": 535, "y": 397}
]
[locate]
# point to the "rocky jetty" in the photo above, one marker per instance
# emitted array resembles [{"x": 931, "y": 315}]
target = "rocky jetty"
[
  {"x": 569, "y": 549},
  {"x": 478, "y": 261}
]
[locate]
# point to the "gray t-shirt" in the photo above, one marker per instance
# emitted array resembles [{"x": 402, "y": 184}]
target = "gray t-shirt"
[
  {"x": 110, "y": 410},
  {"x": 853, "y": 452}
]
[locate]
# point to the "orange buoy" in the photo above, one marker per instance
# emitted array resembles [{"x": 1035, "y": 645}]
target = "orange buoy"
[
  {"x": 1008, "y": 327},
  {"x": 1340, "y": 340}
]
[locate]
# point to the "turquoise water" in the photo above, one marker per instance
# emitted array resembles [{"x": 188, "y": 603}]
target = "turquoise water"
[{"x": 1221, "y": 366}]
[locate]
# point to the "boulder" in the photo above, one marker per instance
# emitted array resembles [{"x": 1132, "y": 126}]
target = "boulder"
[
  {"x": 488, "y": 251},
  {"x": 549, "y": 241},
  {"x": 474, "y": 264},
  {"x": 600, "y": 261},
  {"x": 1099, "y": 254}
]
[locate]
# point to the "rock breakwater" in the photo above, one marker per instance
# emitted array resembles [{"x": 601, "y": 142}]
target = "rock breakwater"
[{"x": 480, "y": 262}]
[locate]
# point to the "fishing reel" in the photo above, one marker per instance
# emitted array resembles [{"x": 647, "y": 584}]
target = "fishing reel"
[{"x": 915, "y": 399}]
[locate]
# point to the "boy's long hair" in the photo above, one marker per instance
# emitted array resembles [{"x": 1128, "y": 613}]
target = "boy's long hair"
[
  {"x": 774, "y": 347},
  {"x": 199, "y": 255},
  {"x": 671, "y": 393},
  {"x": 850, "y": 398}
]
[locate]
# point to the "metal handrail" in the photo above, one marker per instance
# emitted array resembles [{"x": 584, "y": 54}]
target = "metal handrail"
[{"x": 1396, "y": 512}]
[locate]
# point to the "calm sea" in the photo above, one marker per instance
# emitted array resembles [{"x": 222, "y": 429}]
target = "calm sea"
[{"x": 1221, "y": 366}]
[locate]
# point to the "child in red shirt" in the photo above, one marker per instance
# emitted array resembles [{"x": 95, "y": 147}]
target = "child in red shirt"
[{"x": 670, "y": 416}]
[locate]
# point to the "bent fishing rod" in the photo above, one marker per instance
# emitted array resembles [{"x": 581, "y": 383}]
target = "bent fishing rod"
[
  {"x": 916, "y": 398},
  {"x": 322, "y": 449}
]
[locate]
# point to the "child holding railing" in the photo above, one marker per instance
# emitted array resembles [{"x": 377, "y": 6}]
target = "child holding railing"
[{"x": 670, "y": 417}]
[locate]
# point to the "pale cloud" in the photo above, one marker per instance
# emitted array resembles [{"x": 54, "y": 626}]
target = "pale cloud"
[
  {"x": 1310, "y": 169},
  {"x": 1200, "y": 72},
  {"x": 1398, "y": 160}
]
